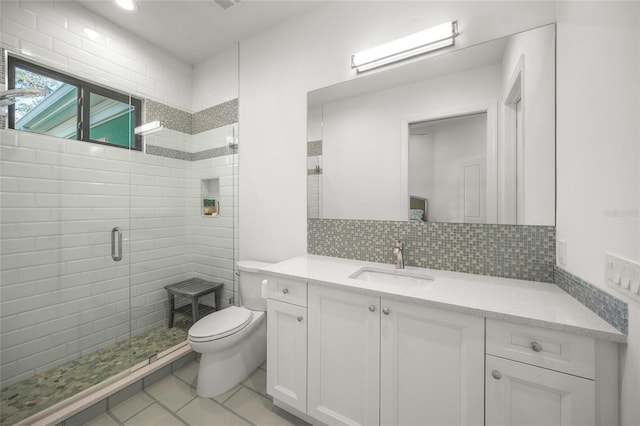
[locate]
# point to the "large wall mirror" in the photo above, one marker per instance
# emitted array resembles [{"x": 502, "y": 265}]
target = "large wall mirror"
[{"x": 466, "y": 136}]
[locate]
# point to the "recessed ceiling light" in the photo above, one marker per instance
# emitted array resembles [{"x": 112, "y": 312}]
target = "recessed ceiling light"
[{"x": 129, "y": 5}]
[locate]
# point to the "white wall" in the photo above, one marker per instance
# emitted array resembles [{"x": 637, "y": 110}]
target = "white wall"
[
  {"x": 362, "y": 144},
  {"x": 279, "y": 66},
  {"x": 421, "y": 166},
  {"x": 598, "y": 144},
  {"x": 215, "y": 80}
]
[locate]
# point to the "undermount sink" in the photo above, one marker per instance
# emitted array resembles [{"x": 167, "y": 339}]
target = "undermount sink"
[{"x": 392, "y": 276}]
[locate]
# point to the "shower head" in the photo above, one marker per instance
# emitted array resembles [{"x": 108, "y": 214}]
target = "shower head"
[{"x": 8, "y": 97}]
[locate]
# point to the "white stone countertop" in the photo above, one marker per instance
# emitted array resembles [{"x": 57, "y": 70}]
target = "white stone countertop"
[{"x": 525, "y": 302}]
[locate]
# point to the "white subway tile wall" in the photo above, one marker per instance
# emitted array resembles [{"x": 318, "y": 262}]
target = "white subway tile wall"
[
  {"x": 61, "y": 294},
  {"x": 53, "y": 33},
  {"x": 314, "y": 196}
]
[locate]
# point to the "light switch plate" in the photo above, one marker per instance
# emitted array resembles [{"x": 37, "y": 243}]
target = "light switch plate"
[
  {"x": 623, "y": 275},
  {"x": 562, "y": 253}
]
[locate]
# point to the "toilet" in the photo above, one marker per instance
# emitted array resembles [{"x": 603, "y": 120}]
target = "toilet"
[{"x": 232, "y": 341}]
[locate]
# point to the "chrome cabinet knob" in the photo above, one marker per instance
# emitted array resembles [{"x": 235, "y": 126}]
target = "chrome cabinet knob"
[
  {"x": 300, "y": 318},
  {"x": 496, "y": 375},
  {"x": 537, "y": 347},
  {"x": 285, "y": 290},
  {"x": 372, "y": 308},
  {"x": 385, "y": 311}
]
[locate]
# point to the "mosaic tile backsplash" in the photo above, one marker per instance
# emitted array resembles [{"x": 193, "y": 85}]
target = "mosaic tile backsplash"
[
  {"x": 520, "y": 252},
  {"x": 606, "y": 306}
]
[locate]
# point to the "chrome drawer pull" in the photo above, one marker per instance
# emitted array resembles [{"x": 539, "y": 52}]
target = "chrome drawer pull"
[
  {"x": 537, "y": 347},
  {"x": 285, "y": 290},
  {"x": 385, "y": 311},
  {"x": 299, "y": 318},
  {"x": 372, "y": 308}
]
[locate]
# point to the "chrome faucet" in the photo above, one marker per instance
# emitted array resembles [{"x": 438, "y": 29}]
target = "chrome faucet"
[{"x": 398, "y": 251}]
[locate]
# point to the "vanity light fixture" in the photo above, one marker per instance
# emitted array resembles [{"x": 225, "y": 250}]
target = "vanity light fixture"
[
  {"x": 406, "y": 47},
  {"x": 129, "y": 5}
]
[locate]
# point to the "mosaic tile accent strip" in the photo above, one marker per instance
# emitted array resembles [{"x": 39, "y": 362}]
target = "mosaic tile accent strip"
[
  {"x": 171, "y": 118},
  {"x": 190, "y": 156},
  {"x": 166, "y": 152},
  {"x": 311, "y": 172},
  {"x": 609, "y": 308},
  {"x": 3, "y": 119},
  {"x": 519, "y": 252},
  {"x": 314, "y": 148},
  {"x": 30, "y": 396},
  {"x": 216, "y": 116}
]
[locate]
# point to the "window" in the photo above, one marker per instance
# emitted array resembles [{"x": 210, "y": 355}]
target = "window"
[{"x": 71, "y": 108}]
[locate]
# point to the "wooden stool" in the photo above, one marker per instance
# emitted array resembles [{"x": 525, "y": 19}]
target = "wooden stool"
[{"x": 193, "y": 289}]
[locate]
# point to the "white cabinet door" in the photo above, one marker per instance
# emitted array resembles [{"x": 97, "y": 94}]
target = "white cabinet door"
[
  {"x": 432, "y": 366},
  {"x": 344, "y": 357},
  {"x": 287, "y": 353},
  {"x": 525, "y": 395}
]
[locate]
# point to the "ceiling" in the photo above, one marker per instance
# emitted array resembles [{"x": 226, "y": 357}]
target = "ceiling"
[{"x": 194, "y": 30}]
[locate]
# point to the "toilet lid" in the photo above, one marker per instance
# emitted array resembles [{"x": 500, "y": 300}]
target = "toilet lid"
[{"x": 221, "y": 323}]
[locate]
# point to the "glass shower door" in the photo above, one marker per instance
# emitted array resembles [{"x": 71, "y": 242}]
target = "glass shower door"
[{"x": 64, "y": 241}]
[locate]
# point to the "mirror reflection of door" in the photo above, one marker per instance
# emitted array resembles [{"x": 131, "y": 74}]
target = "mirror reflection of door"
[
  {"x": 520, "y": 168},
  {"x": 447, "y": 166}
]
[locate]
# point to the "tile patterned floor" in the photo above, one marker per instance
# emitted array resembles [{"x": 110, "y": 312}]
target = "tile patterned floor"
[
  {"x": 30, "y": 396},
  {"x": 173, "y": 401}
]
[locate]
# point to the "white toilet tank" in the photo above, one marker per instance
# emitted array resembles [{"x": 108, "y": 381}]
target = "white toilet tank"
[{"x": 250, "y": 283}]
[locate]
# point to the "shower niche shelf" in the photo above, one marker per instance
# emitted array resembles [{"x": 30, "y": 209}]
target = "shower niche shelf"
[{"x": 209, "y": 198}]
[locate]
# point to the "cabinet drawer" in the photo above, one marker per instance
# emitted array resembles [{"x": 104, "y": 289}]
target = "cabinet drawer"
[
  {"x": 550, "y": 349},
  {"x": 286, "y": 290}
]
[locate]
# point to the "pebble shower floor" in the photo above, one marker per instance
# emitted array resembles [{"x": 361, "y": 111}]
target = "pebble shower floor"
[{"x": 28, "y": 397}]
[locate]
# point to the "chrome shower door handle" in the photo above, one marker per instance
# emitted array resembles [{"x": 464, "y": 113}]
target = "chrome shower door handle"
[{"x": 115, "y": 257}]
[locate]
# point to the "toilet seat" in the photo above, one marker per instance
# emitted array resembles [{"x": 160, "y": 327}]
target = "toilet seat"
[{"x": 220, "y": 324}]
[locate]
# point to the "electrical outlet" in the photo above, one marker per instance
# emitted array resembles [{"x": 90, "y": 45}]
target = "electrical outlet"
[{"x": 623, "y": 275}]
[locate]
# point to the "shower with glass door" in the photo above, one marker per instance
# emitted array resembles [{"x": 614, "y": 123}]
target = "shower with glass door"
[{"x": 96, "y": 218}]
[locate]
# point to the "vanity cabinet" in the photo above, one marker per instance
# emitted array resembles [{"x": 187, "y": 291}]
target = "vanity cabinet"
[
  {"x": 544, "y": 377},
  {"x": 344, "y": 357},
  {"x": 521, "y": 394},
  {"x": 287, "y": 342},
  {"x": 432, "y": 366},
  {"x": 399, "y": 363}
]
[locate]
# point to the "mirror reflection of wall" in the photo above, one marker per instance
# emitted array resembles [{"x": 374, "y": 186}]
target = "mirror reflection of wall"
[
  {"x": 371, "y": 160},
  {"x": 447, "y": 166}
]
